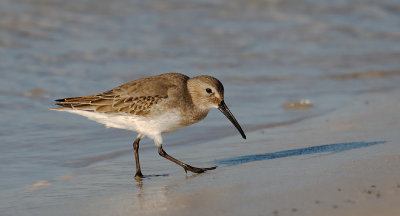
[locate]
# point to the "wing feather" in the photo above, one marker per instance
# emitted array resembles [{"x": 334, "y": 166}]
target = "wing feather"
[{"x": 137, "y": 97}]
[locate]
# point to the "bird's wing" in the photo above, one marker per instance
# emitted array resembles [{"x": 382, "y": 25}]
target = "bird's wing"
[{"x": 136, "y": 97}]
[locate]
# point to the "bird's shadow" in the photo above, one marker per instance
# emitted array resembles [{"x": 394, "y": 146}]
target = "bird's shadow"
[{"x": 330, "y": 148}]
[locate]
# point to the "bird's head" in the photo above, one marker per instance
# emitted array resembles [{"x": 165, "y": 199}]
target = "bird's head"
[{"x": 207, "y": 93}]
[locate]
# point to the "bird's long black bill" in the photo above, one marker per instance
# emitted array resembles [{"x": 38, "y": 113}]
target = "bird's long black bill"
[{"x": 225, "y": 110}]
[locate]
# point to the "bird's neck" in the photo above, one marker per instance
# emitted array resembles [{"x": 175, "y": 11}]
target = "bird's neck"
[{"x": 194, "y": 116}]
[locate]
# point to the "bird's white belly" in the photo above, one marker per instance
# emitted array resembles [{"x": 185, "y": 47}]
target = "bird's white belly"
[{"x": 150, "y": 126}]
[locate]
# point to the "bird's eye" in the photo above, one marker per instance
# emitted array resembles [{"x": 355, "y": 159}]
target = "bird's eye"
[{"x": 208, "y": 90}]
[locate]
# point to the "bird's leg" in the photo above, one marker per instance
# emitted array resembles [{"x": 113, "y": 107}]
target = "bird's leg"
[
  {"x": 183, "y": 165},
  {"x": 136, "y": 151}
]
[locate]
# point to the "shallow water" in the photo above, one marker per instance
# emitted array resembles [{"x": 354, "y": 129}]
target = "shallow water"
[{"x": 266, "y": 53}]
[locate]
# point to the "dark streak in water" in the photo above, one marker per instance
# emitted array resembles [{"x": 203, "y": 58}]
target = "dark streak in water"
[
  {"x": 259, "y": 79},
  {"x": 364, "y": 75},
  {"x": 331, "y": 148},
  {"x": 87, "y": 161}
]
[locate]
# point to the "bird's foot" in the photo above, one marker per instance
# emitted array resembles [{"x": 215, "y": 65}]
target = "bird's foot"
[
  {"x": 196, "y": 169},
  {"x": 138, "y": 174}
]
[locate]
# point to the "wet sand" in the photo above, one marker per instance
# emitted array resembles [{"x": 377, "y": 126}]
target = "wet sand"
[{"x": 342, "y": 163}]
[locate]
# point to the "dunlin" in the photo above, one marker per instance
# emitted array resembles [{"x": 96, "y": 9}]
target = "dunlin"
[{"x": 153, "y": 106}]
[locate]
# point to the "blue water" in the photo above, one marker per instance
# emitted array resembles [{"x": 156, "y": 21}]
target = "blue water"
[{"x": 266, "y": 53}]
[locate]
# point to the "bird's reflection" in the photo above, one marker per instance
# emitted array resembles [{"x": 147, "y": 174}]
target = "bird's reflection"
[
  {"x": 154, "y": 197},
  {"x": 151, "y": 196}
]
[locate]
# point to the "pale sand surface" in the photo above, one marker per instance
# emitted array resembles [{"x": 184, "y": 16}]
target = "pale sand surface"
[{"x": 351, "y": 169}]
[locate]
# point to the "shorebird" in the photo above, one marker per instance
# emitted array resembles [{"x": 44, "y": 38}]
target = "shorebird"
[{"x": 153, "y": 106}]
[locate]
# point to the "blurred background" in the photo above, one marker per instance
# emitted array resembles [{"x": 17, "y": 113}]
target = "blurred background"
[{"x": 281, "y": 61}]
